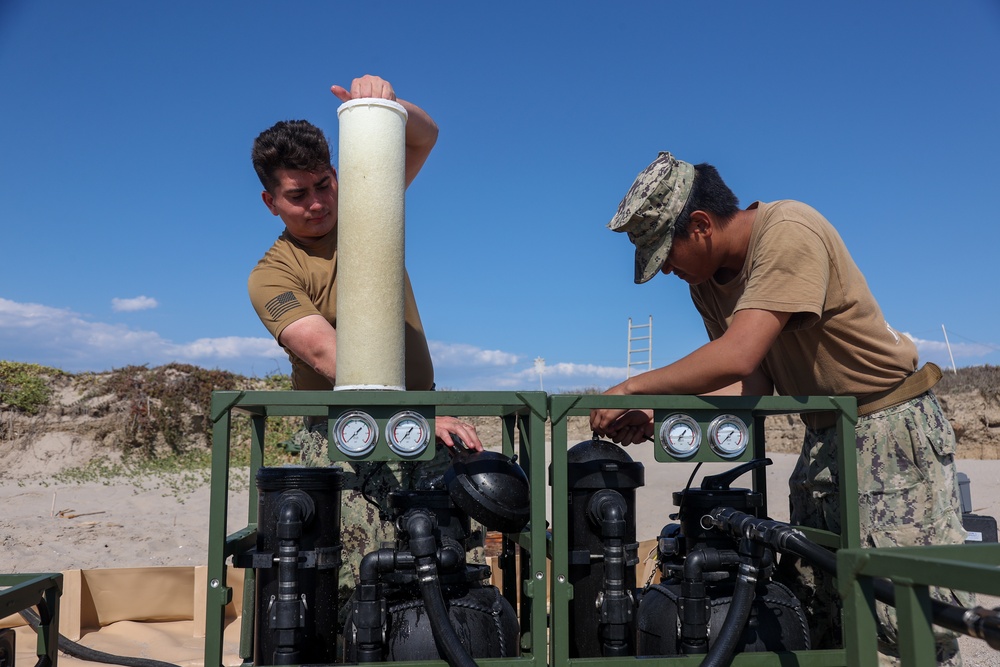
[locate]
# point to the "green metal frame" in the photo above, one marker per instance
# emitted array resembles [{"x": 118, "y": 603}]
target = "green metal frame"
[
  {"x": 28, "y": 590},
  {"x": 702, "y": 409},
  {"x": 521, "y": 414},
  {"x": 545, "y": 632},
  {"x": 912, "y": 570}
]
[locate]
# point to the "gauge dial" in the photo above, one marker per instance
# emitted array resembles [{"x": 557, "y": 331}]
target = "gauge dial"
[
  {"x": 408, "y": 433},
  {"x": 729, "y": 436},
  {"x": 355, "y": 433},
  {"x": 680, "y": 435}
]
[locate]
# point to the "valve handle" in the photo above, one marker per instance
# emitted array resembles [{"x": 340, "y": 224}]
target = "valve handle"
[{"x": 722, "y": 481}]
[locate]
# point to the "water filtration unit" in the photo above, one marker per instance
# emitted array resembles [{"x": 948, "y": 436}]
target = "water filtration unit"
[{"x": 564, "y": 590}]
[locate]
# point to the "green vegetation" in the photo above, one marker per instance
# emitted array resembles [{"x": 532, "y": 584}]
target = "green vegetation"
[
  {"x": 25, "y": 387},
  {"x": 164, "y": 407}
]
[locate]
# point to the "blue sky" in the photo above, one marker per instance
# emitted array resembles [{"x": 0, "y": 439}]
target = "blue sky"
[{"x": 131, "y": 215}]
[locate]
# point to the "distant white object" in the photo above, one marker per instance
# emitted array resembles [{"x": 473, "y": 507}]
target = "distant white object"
[
  {"x": 370, "y": 237},
  {"x": 540, "y": 369},
  {"x": 640, "y": 346},
  {"x": 950, "y": 355}
]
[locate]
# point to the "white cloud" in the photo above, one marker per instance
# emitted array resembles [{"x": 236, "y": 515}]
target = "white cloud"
[
  {"x": 133, "y": 304},
  {"x": 461, "y": 354},
  {"x": 65, "y": 339},
  {"x": 938, "y": 352},
  {"x": 465, "y": 367},
  {"x": 228, "y": 347}
]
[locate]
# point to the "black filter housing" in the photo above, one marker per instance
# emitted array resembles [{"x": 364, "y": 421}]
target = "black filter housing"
[
  {"x": 592, "y": 467},
  {"x": 318, "y": 573}
]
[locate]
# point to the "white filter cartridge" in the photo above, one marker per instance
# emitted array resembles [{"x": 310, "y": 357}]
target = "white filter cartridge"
[{"x": 370, "y": 258}]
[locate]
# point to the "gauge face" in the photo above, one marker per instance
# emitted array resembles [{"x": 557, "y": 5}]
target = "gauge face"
[
  {"x": 729, "y": 436},
  {"x": 408, "y": 433},
  {"x": 680, "y": 435},
  {"x": 355, "y": 433}
]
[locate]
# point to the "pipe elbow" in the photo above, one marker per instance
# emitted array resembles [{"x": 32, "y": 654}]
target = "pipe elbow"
[{"x": 295, "y": 509}]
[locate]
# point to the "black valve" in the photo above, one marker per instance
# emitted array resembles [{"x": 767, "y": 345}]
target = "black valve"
[{"x": 722, "y": 481}]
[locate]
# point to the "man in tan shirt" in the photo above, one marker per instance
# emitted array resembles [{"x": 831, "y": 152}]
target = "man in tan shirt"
[
  {"x": 788, "y": 311},
  {"x": 293, "y": 290}
]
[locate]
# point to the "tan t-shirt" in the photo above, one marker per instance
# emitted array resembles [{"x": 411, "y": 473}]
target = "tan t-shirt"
[
  {"x": 294, "y": 279},
  {"x": 837, "y": 342}
]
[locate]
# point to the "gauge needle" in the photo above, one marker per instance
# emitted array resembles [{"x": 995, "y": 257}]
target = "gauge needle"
[{"x": 355, "y": 434}]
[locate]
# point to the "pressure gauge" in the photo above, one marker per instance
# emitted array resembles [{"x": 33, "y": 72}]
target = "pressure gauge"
[
  {"x": 729, "y": 436},
  {"x": 355, "y": 433},
  {"x": 680, "y": 435},
  {"x": 408, "y": 433}
]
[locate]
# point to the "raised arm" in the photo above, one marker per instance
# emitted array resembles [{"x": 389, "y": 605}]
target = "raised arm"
[
  {"x": 421, "y": 130},
  {"x": 730, "y": 363}
]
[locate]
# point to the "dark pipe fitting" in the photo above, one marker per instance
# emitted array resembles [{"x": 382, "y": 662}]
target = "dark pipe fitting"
[
  {"x": 694, "y": 607},
  {"x": 376, "y": 562},
  {"x": 295, "y": 509},
  {"x": 368, "y": 612},
  {"x": 451, "y": 555},
  {"x": 420, "y": 525},
  {"x": 606, "y": 510}
]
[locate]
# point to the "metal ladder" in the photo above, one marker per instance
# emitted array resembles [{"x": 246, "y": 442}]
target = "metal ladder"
[{"x": 639, "y": 357}]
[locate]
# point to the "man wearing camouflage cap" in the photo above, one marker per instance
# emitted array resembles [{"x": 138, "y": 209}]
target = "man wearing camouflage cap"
[{"x": 789, "y": 312}]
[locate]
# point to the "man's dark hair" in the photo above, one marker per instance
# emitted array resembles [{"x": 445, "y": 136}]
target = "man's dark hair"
[
  {"x": 709, "y": 193},
  {"x": 289, "y": 144}
]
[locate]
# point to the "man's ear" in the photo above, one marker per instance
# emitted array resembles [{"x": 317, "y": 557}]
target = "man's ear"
[
  {"x": 268, "y": 199},
  {"x": 701, "y": 223}
]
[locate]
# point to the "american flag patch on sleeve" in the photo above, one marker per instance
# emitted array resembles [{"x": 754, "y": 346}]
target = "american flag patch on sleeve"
[{"x": 281, "y": 304}]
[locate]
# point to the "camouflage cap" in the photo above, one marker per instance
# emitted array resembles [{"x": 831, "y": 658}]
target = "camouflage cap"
[{"x": 650, "y": 209}]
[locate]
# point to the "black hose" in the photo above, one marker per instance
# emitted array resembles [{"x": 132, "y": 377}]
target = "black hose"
[
  {"x": 724, "y": 647},
  {"x": 980, "y": 623},
  {"x": 81, "y": 652},
  {"x": 423, "y": 546}
]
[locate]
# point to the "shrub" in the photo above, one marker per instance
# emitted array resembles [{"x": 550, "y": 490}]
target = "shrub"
[
  {"x": 24, "y": 387},
  {"x": 165, "y": 406}
]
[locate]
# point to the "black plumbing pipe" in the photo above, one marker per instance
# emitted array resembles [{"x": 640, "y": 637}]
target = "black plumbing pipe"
[
  {"x": 978, "y": 622},
  {"x": 369, "y": 610},
  {"x": 722, "y": 651},
  {"x": 423, "y": 546},
  {"x": 287, "y": 613},
  {"x": 616, "y": 608},
  {"x": 694, "y": 606}
]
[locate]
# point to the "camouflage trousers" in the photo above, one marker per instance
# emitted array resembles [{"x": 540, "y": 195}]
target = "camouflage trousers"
[
  {"x": 908, "y": 490},
  {"x": 364, "y": 522}
]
